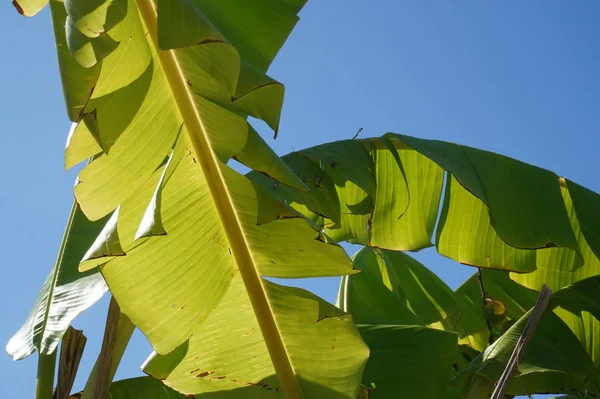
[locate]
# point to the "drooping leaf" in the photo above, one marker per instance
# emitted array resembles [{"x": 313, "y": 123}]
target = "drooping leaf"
[
  {"x": 466, "y": 235},
  {"x": 393, "y": 202},
  {"x": 555, "y": 270},
  {"x": 65, "y": 293},
  {"x": 580, "y": 296},
  {"x": 585, "y": 203},
  {"x": 530, "y": 215},
  {"x": 557, "y": 274}
]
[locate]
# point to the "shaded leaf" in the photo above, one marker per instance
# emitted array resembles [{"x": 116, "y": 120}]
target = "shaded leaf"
[
  {"x": 530, "y": 215},
  {"x": 139, "y": 388},
  {"x": 408, "y": 361}
]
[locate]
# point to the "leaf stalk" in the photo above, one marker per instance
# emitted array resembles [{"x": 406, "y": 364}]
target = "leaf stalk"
[
  {"x": 45, "y": 376},
  {"x": 224, "y": 204}
]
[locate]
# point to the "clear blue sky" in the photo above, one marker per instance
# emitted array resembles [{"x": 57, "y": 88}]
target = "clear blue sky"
[{"x": 519, "y": 78}]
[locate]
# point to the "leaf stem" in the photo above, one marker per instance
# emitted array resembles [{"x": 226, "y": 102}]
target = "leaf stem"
[
  {"x": 45, "y": 376},
  {"x": 194, "y": 125}
]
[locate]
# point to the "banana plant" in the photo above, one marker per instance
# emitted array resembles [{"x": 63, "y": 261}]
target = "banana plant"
[{"x": 159, "y": 93}]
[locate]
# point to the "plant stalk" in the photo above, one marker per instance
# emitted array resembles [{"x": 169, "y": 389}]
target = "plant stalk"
[
  {"x": 45, "y": 376},
  {"x": 71, "y": 351},
  {"x": 116, "y": 338}
]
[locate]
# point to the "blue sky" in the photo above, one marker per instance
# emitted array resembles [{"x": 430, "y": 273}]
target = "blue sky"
[{"x": 519, "y": 78}]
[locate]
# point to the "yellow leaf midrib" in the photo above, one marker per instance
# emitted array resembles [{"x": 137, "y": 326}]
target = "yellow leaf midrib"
[{"x": 224, "y": 204}]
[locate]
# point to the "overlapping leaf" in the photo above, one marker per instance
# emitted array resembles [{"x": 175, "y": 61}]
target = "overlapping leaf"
[
  {"x": 408, "y": 361},
  {"x": 555, "y": 361},
  {"x": 392, "y": 299},
  {"x": 139, "y": 388},
  {"x": 557, "y": 274},
  {"x": 385, "y": 192},
  {"x": 366, "y": 192}
]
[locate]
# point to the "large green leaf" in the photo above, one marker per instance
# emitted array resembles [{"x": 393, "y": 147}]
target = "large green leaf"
[
  {"x": 65, "y": 293},
  {"x": 391, "y": 292},
  {"x": 385, "y": 193},
  {"x": 190, "y": 240},
  {"x": 234, "y": 357},
  {"x": 556, "y": 271}
]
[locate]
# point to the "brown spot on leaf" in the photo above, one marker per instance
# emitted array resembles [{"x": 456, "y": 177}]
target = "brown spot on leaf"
[
  {"x": 219, "y": 378},
  {"x": 202, "y": 375}
]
